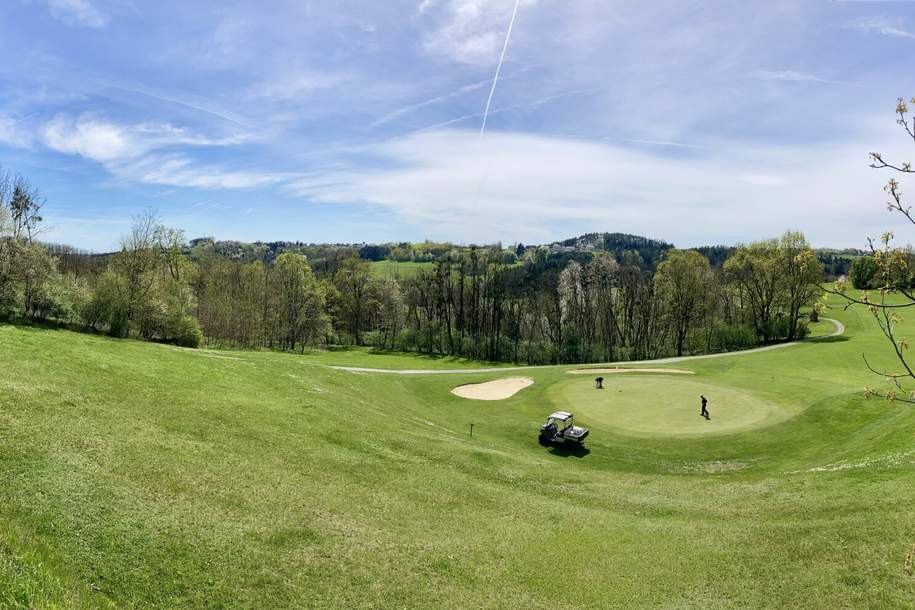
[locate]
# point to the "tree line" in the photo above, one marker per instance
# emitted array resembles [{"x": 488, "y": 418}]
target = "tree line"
[{"x": 577, "y": 307}]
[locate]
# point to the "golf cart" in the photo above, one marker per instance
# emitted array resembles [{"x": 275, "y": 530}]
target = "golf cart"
[{"x": 558, "y": 430}]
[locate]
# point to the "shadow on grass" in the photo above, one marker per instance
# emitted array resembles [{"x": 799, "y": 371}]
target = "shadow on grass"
[
  {"x": 37, "y": 324},
  {"x": 835, "y": 339},
  {"x": 565, "y": 452},
  {"x": 369, "y": 350}
]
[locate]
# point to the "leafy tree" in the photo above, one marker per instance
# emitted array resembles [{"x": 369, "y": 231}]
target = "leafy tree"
[
  {"x": 108, "y": 306},
  {"x": 755, "y": 270},
  {"x": 146, "y": 289},
  {"x": 863, "y": 272},
  {"x": 602, "y": 277},
  {"x": 355, "y": 299},
  {"x": 300, "y": 301},
  {"x": 682, "y": 280},
  {"x": 26, "y": 266},
  {"x": 135, "y": 269},
  {"x": 572, "y": 310},
  {"x": 36, "y": 270},
  {"x": 777, "y": 279},
  {"x": 800, "y": 274},
  {"x": 393, "y": 312}
]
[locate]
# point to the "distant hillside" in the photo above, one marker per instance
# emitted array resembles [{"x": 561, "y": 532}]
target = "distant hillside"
[
  {"x": 623, "y": 246},
  {"x": 324, "y": 258}
]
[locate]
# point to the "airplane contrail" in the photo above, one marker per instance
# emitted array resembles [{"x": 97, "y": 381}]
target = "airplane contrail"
[
  {"x": 495, "y": 80},
  {"x": 531, "y": 104}
]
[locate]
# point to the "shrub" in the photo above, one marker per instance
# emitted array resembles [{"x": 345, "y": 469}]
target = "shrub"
[
  {"x": 373, "y": 338},
  {"x": 803, "y": 330},
  {"x": 731, "y": 337},
  {"x": 535, "y": 353},
  {"x": 185, "y": 331}
]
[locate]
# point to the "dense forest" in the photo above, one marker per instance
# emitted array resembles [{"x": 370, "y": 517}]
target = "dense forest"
[{"x": 598, "y": 297}]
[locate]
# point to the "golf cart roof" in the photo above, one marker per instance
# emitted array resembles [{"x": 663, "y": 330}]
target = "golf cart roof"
[{"x": 561, "y": 416}]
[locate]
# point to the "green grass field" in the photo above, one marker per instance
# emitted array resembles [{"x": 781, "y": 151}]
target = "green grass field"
[
  {"x": 388, "y": 269},
  {"x": 141, "y": 475},
  {"x": 665, "y": 406}
]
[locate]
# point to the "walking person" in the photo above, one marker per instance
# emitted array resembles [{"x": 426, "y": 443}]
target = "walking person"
[{"x": 704, "y": 412}]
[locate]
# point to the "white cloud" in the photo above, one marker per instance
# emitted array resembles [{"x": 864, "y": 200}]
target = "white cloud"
[
  {"x": 101, "y": 140},
  {"x": 514, "y": 186},
  {"x": 94, "y": 140},
  {"x": 470, "y": 31},
  {"x": 129, "y": 153},
  {"x": 78, "y": 12},
  {"x": 883, "y": 26}
]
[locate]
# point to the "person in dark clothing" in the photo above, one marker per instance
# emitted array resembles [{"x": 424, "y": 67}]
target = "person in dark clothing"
[
  {"x": 704, "y": 412},
  {"x": 599, "y": 383}
]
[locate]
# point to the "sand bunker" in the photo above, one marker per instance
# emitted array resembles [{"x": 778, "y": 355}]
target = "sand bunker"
[
  {"x": 617, "y": 370},
  {"x": 500, "y": 389}
]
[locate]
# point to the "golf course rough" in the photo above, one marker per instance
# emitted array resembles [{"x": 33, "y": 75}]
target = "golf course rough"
[{"x": 136, "y": 476}]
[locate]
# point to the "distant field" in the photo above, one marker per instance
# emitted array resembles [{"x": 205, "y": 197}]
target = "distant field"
[
  {"x": 389, "y": 269},
  {"x": 145, "y": 476}
]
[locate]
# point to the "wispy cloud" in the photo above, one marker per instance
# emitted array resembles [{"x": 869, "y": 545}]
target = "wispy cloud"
[
  {"x": 400, "y": 112},
  {"x": 179, "y": 170},
  {"x": 450, "y": 182},
  {"x": 13, "y": 133},
  {"x": 799, "y": 77},
  {"x": 292, "y": 85},
  {"x": 521, "y": 106},
  {"x": 227, "y": 95},
  {"x": 77, "y": 12},
  {"x": 669, "y": 143},
  {"x": 197, "y": 106},
  {"x": 884, "y": 26}
]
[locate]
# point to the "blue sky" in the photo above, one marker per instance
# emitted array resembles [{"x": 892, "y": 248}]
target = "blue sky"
[{"x": 357, "y": 120}]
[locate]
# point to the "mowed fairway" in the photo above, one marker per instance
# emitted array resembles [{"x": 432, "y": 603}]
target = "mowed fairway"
[
  {"x": 661, "y": 405},
  {"x": 145, "y": 476}
]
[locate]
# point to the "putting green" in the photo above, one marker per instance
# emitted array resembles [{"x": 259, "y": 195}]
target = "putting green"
[{"x": 664, "y": 406}]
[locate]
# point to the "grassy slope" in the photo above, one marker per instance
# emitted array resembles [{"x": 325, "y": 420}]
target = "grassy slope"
[{"x": 144, "y": 475}]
